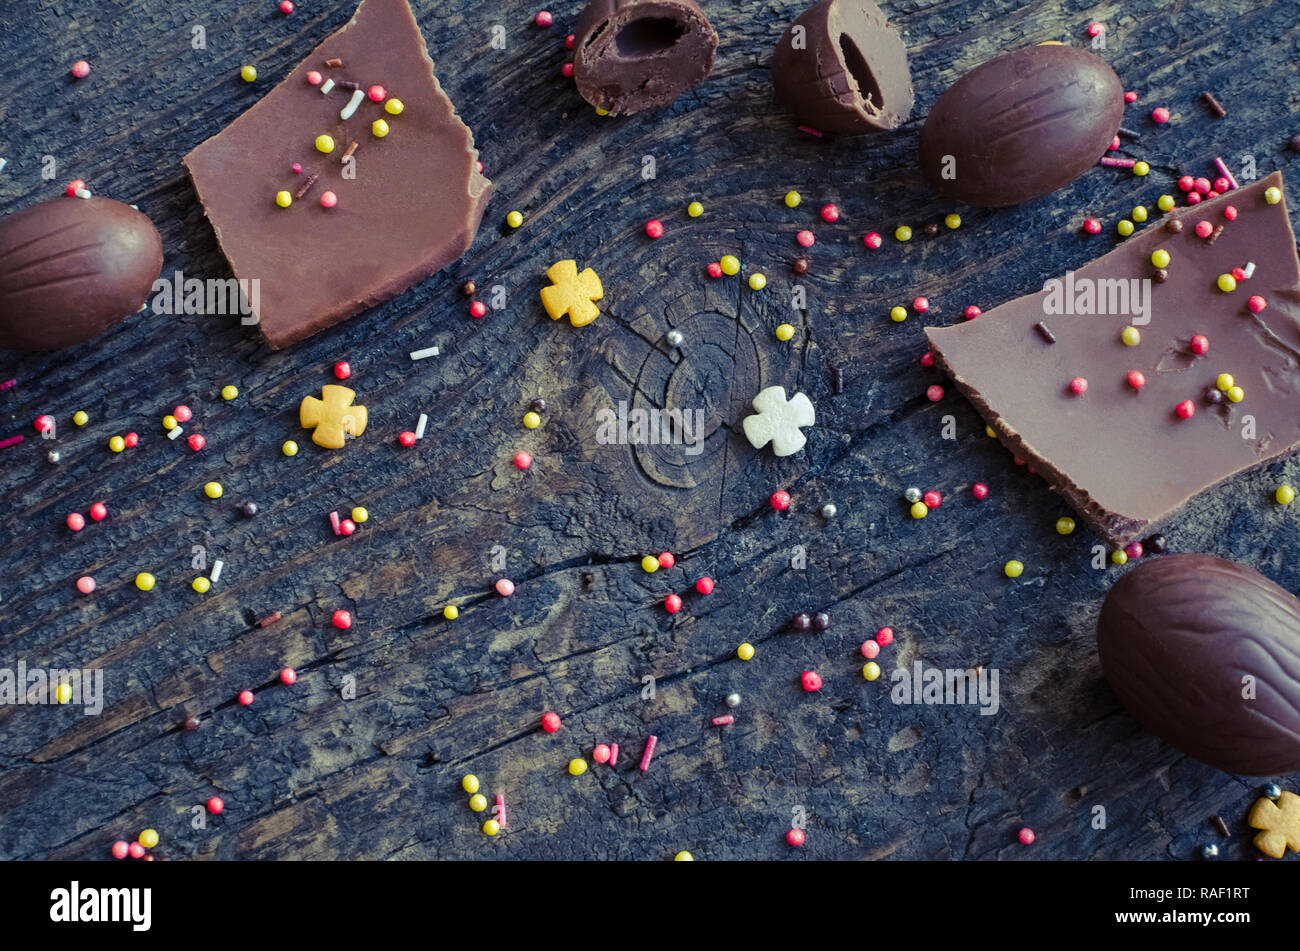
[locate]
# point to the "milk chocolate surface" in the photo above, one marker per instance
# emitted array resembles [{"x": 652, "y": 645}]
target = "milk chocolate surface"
[
  {"x": 71, "y": 268},
  {"x": 848, "y": 71},
  {"x": 632, "y": 55},
  {"x": 1021, "y": 125},
  {"x": 413, "y": 206},
  {"x": 1121, "y": 456},
  {"x": 1177, "y": 636}
]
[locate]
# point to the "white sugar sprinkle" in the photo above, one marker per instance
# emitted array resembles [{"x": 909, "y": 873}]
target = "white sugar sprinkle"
[
  {"x": 426, "y": 352},
  {"x": 351, "y": 107},
  {"x": 419, "y": 426}
]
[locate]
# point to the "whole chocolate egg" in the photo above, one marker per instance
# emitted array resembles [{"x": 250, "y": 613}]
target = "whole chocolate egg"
[
  {"x": 1205, "y": 653},
  {"x": 1021, "y": 125},
  {"x": 71, "y": 268}
]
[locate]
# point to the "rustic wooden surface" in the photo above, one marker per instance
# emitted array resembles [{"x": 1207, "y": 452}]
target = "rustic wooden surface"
[{"x": 308, "y": 774}]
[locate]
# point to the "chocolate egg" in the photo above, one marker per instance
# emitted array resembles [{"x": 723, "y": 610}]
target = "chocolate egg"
[
  {"x": 1205, "y": 653},
  {"x": 71, "y": 268},
  {"x": 1021, "y": 126}
]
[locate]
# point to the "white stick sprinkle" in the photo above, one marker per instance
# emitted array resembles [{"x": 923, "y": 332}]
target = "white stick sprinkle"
[
  {"x": 419, "y": 426},
  {"x": 216, "y": 571},
  {"x": 351, "y": 107},
  {"x": 174, "y": 432},
  {"x": 83, "y": 192},
  {"x": 327, "y": 86},
  {"x": 426, "y": 352},
  {"x": 3, "y": 163},
  {"x": 1249, "y": 270}
]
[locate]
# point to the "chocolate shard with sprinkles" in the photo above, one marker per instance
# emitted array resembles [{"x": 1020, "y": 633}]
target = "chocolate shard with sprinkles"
[
  {"x": 410, "y": 206},
  {"x": 841, "y": 68},
  {"x": 1124, "y": 458},
  {"x": 633, "y": 55}
]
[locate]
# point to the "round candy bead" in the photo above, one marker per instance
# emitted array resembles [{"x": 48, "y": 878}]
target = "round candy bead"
[
  {"x": 1165, "y": 202},
  {"x": 871, "y": 670},
  {"x": 1139, "y": 214},
  {"x": 248, "y": 73},
  {"x": 469, "y": 783},
  {"x": 286, "y": 7},
  {"x": 288, "y": 676},
  {"x": 1013, "y": 569},
  {"x": 885, "y": 636},
  {"x": 780, "y": 500},
  {"x": 932, "y": 499},
  {"x": 290, "y": 448},
  {"x": 1193, "y": 198},
  {"x": 830, "y": 213},
  {"x": 523, "y": 459},
  {"x": 1130, "y": 336},
  {"x": 1203, "y": 186},
  {"x": 532, "y": 420},
  {"x": 1186, "y": 183},
  {"x": 213, "y": 490},
  {"x": 451, "y": 612},
  {"x": 919, "y": 510},
  {"x": 714, "y": 270},
  {"x": 757, "y": 282},
  {"x": 216, "y": 806},
  {"x": 394, "y": 107},
  {"x": 1133, "y": 550},
  {"x": 784, "y": 332},
  {"x": 1026, "y": 836},
  {"x": 1272, "y": 195},
  {"x": 806, "y": 239},
  {"x": 745, "y": 651},
  {"x": 872, "y": 239},
  {"x": 666, "y": 559},
  {"x": 347, "y": 527},
  {"x": 1119, "y": 557},
  {"x": 577, "y": 766},
  {"x": 792, "y": 199},
  {"x": 329, "y": 200},
  {"x": 1256, "y": 303},
  {"x": 505, "y": 587},
  {"x": 145, "y": 581},
  {"x": 953, "y": 221},
  {"x": 1064, "y": 525},
  {"x": 1235, "y": 393},
  {"x": 543, "y": 18},
  {"x": 1185, "y": 409},
  {"x": 695, "y": 209},
  {"x": 196, "y": 442},
  {"x": 1284, "y": 494},
  {"x": 934, "y": 393},
  {"x": 324, "y": 143},
  {"x": 795, "y": 837},
  {"x": 117, "y": 444},
  {"x": 120, "y": 849},
  {"x": 1136, "y": 379},
  {"x": 903, "y": 233},
  {"x": 1092, "y": 226},
  {"x": 131, "y": 440},
  {"x": 1204, "y": 229},
  {"x": 649, "y": 564},
  {"x": 972, "y": 312},
  {"x": 478, "y": 309},
  {"x": 654, "y": 228},
  {"x": 1160, "y": 257},
  {"x": 980, "y": 490},
  {"x": 898, "y": 314},
  {"x": 1200, "y": 344},
  {"x": 672, "y": 603},
  {"x": 85, "y": 584},
  {"x": 683, "y": 857},
  {"x": 246, "y": 697},
  {"x": 148, "y": 838},
  {"x": 75, "y": 521},
  {"x": 551, "y": 722},
  {"x": 514, "y": 219},
  {"x": 601, "y": 753},
  {"x": 730, "y": 265},
  {"x": 1141, "y": 168},
  {"x": 1078, "y": 386},
  {"x": 359, "y": 514},
  {"x": 821, "y": 620},
  {"x": 313, "y": 77},
  {"x": 80, "y": 417},
  {"x": 704, "y": 585},
  {"x": 283, "y": 199},
  {"x": 201, "y": 584},
  {"x": 1223, "y": 381},
  {"x": 478, "y": 802},
  {"x": 920, "y": 304},
  {"x": 811, "y": 680},
  {"x": 341, "y": 619},
  {"x": 491, "y": 827},
  {"x": 1231, "y": 211},
  {"x": 229, "y": 392},
  {"x": 870, "y": 649},
  {"x": 1160, "y": 115},
  {"x": 801, "y": 622},
  {"x": 1125, "y": 227},
  {"x": 379, "y": 128},
  {"x": 135, "y": 850}
]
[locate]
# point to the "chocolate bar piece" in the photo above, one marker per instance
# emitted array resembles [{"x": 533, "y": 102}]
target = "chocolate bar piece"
[
  {"x": 71, "y": 268},
  {"x": 1121, "y": 451},
  {"x": 407, "y": 200},
  {"x": 1177, "y": 635},
  {"x": 1021, "y": 125},
  {"x": 632, "y": 55},
  {"x": 841, "y": 68}
]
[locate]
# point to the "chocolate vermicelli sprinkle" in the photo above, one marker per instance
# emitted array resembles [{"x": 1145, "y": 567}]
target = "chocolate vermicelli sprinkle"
[
  {"x": 1221, "y": 826},
  {"x": 334, "y": 62},
  {"x": 1214, "y": 235},
  {"x": 1044, "y": 332},
  {"x": 1215, "y": 106},
  {"x": 305, "y": 187}
]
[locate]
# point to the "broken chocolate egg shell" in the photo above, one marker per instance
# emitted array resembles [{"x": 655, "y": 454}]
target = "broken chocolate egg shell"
[
  {"x": 632, "y": 55},
  {"x": 841, "y": 68},
  {"x": 1205, "y": 653}
]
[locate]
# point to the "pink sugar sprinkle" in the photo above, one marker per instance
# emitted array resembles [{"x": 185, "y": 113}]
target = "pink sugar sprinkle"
[{"x": 649, "y": 752}]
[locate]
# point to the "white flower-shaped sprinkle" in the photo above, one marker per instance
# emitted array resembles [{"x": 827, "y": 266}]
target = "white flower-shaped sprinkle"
[{"x": 778, "y": 421}]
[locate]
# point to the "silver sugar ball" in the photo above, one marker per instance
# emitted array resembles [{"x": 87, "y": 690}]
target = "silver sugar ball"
[
  {"x": 912, "y": 495},
  {"x": 829, "y": 510},
  {"x": 733, "y": 700},
  {"x": 1272, "y": 790},
  {"x": 53, "y": 455},
  {"x": 675, "y": 338},
  {"x": 1210, "y": 851}
]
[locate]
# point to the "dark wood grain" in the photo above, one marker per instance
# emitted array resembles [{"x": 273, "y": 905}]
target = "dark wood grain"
[{"x": 308, "y": 774}]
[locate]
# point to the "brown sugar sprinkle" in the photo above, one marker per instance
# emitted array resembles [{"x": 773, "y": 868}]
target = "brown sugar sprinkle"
[
  {"x": 1221, "y": 827},
  {"x": 1174, "y": 225},
  {"x": 351, "y": 150},
  {"x": 349, "y": 85},
  {"x": 1214, "y": 235},
  {"x": 1044, "y": 332},
  {"x": 468, "y": 289},
  {"x": 1162, "y": 275},
  {"x": 334, "y": 62},
  {"x": 1215, "y": 106},
  {"x": 800, "y": 266},
  {"x": 305, "y": 187},
  {"x": 931, "y": 229}
]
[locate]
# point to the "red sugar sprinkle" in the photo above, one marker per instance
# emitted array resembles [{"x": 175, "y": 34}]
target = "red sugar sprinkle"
[
  {"x": 780, "y": 500},
  {"x": 543, "y": 18},
  {"x": 980, "y": 490},
  {"x": 927, "y": 359},
  {"x": 654, "y": 228},
  {"x": 406, "y": 438},
  {"x": 830, "y": 213},
  {"x": 566, "y": 69},
  {"x": 11, "y": 441},
  {"x": 1160, "y": 115},
  {"x": 672, "y": 603},
  {"x": 651, "y": 742},
  {"x": 1187, "y": 183},
  {"x": 568, "y": 41},
  {"x": 523, "y": 460},
  {"x": 872, "y": 240},
  {"x": 714, "y": 269},
  {"x": 286, "y": 7},
  {"x": 1230, "y": 212},
  {"x": 1092, "y": 226},
  {"x": 1200, "y": 344},
  {"x": 1078, "y": 386},
  {"x": 934, "y": 393},
  {"x": 806, "y": 239},
  {"x": 972, "y": 312},
  {"x": 81, "y": 69},
  {"x": 1130, "y": 97},
  {"x": 1256, "y": 303},
  {"x": 314, "y": 77}
]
